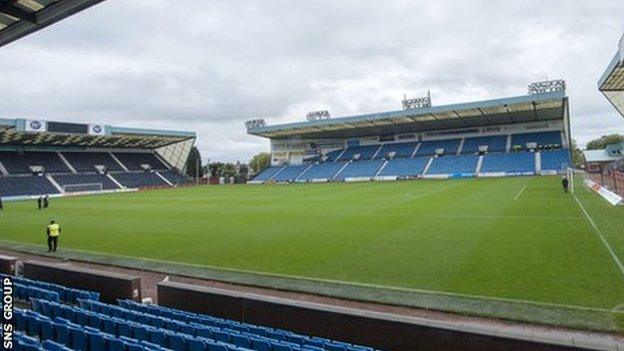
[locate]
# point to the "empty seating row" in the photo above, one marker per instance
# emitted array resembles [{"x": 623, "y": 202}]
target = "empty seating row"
[
  {"x": 21, "y": 162},
  {"x": 496, "y": 143},
  {"x": 322, "y": 171},
  {"x": 267, "y": 173},
  {"x": 86, "y": 161},
  {"x": 365, "y": 152},
  {"x": 76, "y": 336},
  {"x": 139, "y": 179},
  {"x": 465, "y": 164},
  {"x": 270, "y": 333},
  {"x": 23, "y": 342},
  {"x": 400, "y": 150},
  {"x": 513, "y": 163},
  {"x": 26, "y": 185},
  {"x": 289, "y": 173},
  {"x": 134, "y": 161},
  {"x": 540, "y": 138},
  {"x": 363, "y": 169},
  {"x": 174, "y": 177},
  {"x": 405, "y": 167},
  {"x": 556, "y": 160},
  {"x": 64, "y": 293}
]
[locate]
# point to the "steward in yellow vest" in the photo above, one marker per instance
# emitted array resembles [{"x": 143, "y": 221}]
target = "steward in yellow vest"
[{"x": 53, "y": 230}]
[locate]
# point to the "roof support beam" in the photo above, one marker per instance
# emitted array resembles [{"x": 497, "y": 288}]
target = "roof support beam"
[
  {"x": 509, "y": 114},
  {"x": 535, "y": 111},
  {"x": 461, "y": 118},
  {"x": 8, "y": 8},
  {"x": 439, "y": 120},
  {"x": 483, "y": 115}
]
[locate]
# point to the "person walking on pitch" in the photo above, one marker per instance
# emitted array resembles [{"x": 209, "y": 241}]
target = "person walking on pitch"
[
  {"x": 565, "y": 183},
  {"x": 53, "y": 231},
  {"x": 39, "y": 202}
]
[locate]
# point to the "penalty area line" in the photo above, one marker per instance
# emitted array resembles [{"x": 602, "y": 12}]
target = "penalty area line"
[
  {"x": 520, "y": 192},
  {"x": 601, "y": 236}
]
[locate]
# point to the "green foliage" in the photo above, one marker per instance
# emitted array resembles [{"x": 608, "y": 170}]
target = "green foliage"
[
  {"x": 603, "y": 141},
  {"x": 194, "y": 168},
  {"x": 578, "y": 159},
  {"x": 259, "y": 162}
]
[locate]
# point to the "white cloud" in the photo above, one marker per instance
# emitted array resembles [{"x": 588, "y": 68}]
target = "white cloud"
[{"x": 209, "y": 65}]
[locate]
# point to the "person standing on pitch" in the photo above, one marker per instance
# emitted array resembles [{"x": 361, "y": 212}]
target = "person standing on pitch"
[
  {"x": 53, "y": 231},
  {"x": 1, "y": 205},
  {"x": 39, "y": 202},
  {"x": 46, "y": 201},
  {"x": 565, "y": 183}
]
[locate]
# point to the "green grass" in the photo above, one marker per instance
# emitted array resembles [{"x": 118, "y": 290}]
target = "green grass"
[{"x": 470, "y": 237}]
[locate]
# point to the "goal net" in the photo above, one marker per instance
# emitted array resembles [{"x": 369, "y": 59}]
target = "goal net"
[{"x": 75, "y": 188}]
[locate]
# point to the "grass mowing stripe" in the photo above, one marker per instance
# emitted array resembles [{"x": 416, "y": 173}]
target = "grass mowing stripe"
[
  {"x": 389, "y": 289},
  {"x": 602, "y": 238},
  {"x": 520, "y": 192}
]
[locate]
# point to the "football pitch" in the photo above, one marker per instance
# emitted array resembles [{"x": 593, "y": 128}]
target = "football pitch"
[{"x": 506, "y": 238}]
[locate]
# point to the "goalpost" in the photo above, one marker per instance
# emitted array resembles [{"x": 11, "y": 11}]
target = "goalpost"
[
  {"x": 82, "y": 187},
  {"x": 570, "y": 175}
]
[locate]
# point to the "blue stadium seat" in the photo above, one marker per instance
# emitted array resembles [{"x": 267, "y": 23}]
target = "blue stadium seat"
[
  {"x": 465, "y": 164},
  {"x": 26, "y": 185},
  {"x": 366, "y": 152},
  {"x": 401, "y": 150},
  {"x": 86, "y": 161},
  {"x": 428, "y": 148},
  {"x": 19, "y": 163},
  {"x": 134, "y": 160},
  {"x": 267, "y": 173},
  {"x": 322, "y": 171},
  {"x": 513, "y": 163},
  {"x": 541, "y": 138},
  {"x": 289, "y": 173},
  {"x": 405, "y": 167},
  {"x": 496, "y": 143},
  {"x": 362, "y": 168},
  {"x": 139, "y": 179},
  {"x": 556, "y": 160}
]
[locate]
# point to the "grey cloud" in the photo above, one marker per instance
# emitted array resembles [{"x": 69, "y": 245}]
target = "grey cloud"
[{"x": 209, "y": 65}]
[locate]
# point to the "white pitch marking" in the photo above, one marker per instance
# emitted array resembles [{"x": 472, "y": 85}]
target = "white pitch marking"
[
  {"x": 602, "y": 238},
  {"x": 520, "y": 193}
]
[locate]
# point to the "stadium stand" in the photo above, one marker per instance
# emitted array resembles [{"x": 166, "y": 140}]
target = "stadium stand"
[
  {"x": 400, "y": 149},
  {"x": 175, "y": 177},
  {"x": 556, "y": 160},
  {"x": 428, "y": 148},
  {"x": 360, "y": 169},
  {"x": 333, "y": 155},
  {"x": 134, "y": 161},
  {"x": 542, "y": 139},
  {"x": 86, "y": 161},
  {"x": 465, "y": 164},
  {"x": 513, "y": 163},
  {"x": 84, "y": 179},
  {"x": 268, "y": 173},
  {"x": 496, "y": 143},
  {"x": 480, "y": 138},
  {"x": 139, "y": 179},
  {"x": 405, "y": 167},
  {"x": 289, "y": 173},
  {"x": 322, "y": 171},
  {"x": 365, "y": 152},
  {"x": 62, "y": 318},
  {"x": 74, "y": 157},
  {"x": 26, "y": 185},
  {"x": 20, "y": 162}
]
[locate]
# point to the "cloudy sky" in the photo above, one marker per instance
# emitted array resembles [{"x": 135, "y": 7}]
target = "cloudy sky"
[{"x": 209, "y": 65}]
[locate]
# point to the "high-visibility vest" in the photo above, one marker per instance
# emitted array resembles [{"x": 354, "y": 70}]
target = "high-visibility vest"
[{"x": 54, "y": 229}]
